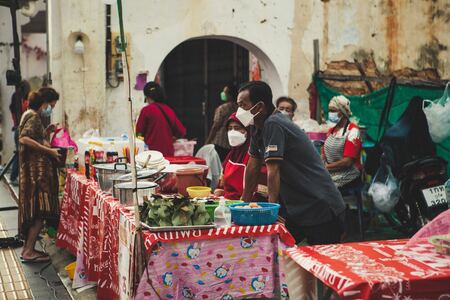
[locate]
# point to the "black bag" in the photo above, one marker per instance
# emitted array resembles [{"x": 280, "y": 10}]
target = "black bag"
[{"x": 374, "y": 155}]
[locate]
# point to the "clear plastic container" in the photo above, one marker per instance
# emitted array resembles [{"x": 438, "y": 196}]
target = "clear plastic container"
[{"x": 222, "y": 214}]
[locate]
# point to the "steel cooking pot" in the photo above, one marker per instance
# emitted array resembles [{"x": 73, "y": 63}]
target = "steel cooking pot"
[
  {"x": 125, "y": 191},
  {"x": 142, "y": 175},
  {"x": 106, "y": 172}
]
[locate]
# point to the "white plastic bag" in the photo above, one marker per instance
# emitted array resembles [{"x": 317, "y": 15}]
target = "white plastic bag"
[
  {"x": 384, "y": 190},
  {"x": 438, "y": 116}
]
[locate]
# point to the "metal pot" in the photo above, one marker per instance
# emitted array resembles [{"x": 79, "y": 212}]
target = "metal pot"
[
  {"x": 126, "y": 191},
  {"x": 107, "y": 172},
  {"x": 141, "y": 175}
]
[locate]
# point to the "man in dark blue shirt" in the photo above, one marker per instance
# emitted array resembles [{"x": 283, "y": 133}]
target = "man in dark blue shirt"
[{"x": 296, "y": 177}]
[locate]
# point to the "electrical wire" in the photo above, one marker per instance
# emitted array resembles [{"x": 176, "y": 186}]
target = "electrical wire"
[{"x": 50, "y": 284}]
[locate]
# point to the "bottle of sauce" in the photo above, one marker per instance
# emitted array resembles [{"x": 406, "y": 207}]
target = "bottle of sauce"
[{"x": 87, "y": 162}]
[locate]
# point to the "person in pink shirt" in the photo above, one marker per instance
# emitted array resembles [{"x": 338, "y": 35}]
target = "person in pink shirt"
[{"x": 157, "y": 122}]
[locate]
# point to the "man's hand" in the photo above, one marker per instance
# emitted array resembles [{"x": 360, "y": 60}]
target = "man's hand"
[{"x": 219, "y": 192}]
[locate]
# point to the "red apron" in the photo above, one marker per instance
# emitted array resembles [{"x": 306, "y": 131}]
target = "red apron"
[{"x": 233, "y": 180}]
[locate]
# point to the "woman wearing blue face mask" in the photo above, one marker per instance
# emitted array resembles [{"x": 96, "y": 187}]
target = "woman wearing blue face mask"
[
  {"x": 342, "y": 149},
  {"x": 38, "y": 181},
  {"x": 50, "y": 96}
]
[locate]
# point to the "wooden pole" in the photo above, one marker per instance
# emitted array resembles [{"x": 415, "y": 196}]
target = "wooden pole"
[{"x": 316, "y": 71}]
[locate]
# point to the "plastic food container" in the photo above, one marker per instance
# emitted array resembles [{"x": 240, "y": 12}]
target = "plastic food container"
[
  {"x": 190, "y": 177},
  {"x": 70, "y": 269},
  {"x": 265, "y": 215},
  {"x": 198, "y": 191}
]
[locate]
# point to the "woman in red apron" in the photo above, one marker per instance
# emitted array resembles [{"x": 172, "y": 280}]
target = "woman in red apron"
[{"x": 232, "y": 182}]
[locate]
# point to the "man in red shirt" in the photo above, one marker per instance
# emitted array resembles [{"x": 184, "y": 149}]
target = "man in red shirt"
[{"x": 157, "y": 122}]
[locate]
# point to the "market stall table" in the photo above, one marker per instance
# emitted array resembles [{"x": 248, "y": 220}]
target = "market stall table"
[
  {"x": 217, "y": 263},
  {"x": 372, "y": 270},
  {"x": 230, "y": 262}
]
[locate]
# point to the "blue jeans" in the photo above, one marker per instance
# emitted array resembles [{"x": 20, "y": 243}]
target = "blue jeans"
[{"x": 15, "y": 163}]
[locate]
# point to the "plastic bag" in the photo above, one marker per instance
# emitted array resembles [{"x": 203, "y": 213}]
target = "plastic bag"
[
  {"x": 184, "y": 147},
  {"x": 438, "y": 116},
  {"x": 62, "y": 139},
  {"x": 384, "y": 190}
]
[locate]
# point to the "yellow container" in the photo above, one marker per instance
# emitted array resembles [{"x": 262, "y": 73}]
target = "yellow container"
[
  {"x": 70, "y": 268},
  {"x": 198, "y": 191}
]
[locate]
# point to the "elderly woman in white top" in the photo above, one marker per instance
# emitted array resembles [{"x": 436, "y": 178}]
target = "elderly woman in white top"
[{"x": 342, "y": 149}]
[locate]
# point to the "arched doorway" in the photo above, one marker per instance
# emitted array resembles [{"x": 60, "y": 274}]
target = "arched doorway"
[
  {"x": 195, "y": 71},
  {"x": 193, "y": 75}
]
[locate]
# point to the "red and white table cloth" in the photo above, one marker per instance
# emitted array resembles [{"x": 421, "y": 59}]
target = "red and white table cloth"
[{"x": 375, "y": 270}]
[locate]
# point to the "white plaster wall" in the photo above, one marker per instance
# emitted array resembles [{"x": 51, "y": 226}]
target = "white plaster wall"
[
  {"x": 80, "y": 79},
  {"x": 31, "y": 65},
  {"x": 279, "y": 32}
]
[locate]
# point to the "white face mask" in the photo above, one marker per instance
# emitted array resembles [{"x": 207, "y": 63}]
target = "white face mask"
[
  {"x": 284, "y": 112},
  {"x": 236, "y": 138},
  {"x": 245, "y": 116}
]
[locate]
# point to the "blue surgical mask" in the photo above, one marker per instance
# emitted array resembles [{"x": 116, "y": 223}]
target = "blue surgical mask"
[
  {"x": 47, "y": 112},
  {"x": 333, "y": 117}
]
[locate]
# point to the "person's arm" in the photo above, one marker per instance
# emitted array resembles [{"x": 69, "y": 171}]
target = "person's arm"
[
  {"x": 180, "y": 130},
  {"x": 29, "y": 142},
  {"x": 251, "y": 177},
  {"x": 273, "y": 180},
  {"x": 275, "y": 145},
  {"x": 345, "y": 162},
  {"x": 216, "y": 125}
]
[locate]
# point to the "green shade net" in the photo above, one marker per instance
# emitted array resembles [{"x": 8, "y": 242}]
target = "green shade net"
[{"x": 368, "y": 108}]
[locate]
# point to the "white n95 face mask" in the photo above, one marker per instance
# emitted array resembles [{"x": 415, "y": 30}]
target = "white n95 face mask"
[
  {"x": 236, "y": 138},
  {"x": 245, "y": 116}
]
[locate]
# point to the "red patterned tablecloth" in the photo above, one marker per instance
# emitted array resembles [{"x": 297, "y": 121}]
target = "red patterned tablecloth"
[
  {"x": 91, "y": 216},
  {"x": 378, "y": 270},
  {"x": 70, "y": 218}
]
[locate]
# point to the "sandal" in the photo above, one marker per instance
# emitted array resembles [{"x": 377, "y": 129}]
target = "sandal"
[{"x": 37, "y": 259}]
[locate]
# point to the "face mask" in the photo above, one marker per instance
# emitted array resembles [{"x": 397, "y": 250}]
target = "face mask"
[
  {"x": 223, "y": 96},
  {"x": 47, "y": 112},
  {"x": 245, "y": 116},
  {"x": 284, "y": 113},
  {"x": 236, "y": 138},
  {"x": 333, "y": 117}
]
